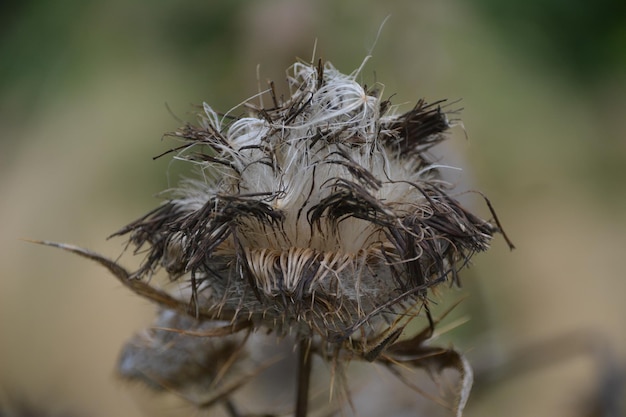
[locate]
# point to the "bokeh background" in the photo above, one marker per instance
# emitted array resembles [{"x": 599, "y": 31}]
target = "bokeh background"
[{"x": 87, "y": 89}]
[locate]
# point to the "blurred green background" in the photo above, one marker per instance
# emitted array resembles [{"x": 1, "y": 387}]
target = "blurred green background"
[{"x": 85, "y": 88}]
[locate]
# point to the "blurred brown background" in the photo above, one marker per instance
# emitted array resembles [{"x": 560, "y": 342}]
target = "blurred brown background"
[{"x": 83, "y": 93}]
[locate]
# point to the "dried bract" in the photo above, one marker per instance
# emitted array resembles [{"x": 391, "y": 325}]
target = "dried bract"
[{"x": 196, "y": 359}]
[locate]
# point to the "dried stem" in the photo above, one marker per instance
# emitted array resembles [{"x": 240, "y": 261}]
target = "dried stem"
[
  {"x": 305, "y": 360},
  {"x": 231, "y": 409}
]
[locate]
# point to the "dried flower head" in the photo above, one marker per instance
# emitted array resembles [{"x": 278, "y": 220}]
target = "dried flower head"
[
  {"x": 311, "y": 214},
  {"x": 321, "y": 216}
]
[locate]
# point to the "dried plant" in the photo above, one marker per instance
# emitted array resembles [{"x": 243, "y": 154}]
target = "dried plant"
[{"x": 321, "y": 217}]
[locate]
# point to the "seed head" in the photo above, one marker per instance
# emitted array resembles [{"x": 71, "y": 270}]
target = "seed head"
[{"x": 320, "y": 214}]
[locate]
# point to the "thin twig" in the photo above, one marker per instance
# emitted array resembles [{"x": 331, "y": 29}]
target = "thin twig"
[
  {"x": 304, "y": 377},
  {"x": 231, "y": 409}
]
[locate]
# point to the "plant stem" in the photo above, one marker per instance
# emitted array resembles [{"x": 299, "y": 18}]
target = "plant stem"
[
  {"x": 304, "y": 377},
  {"x": 231, "y": 409}
]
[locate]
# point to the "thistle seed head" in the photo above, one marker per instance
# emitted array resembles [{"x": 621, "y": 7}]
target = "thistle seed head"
[{"x": 321, "y": 214}]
